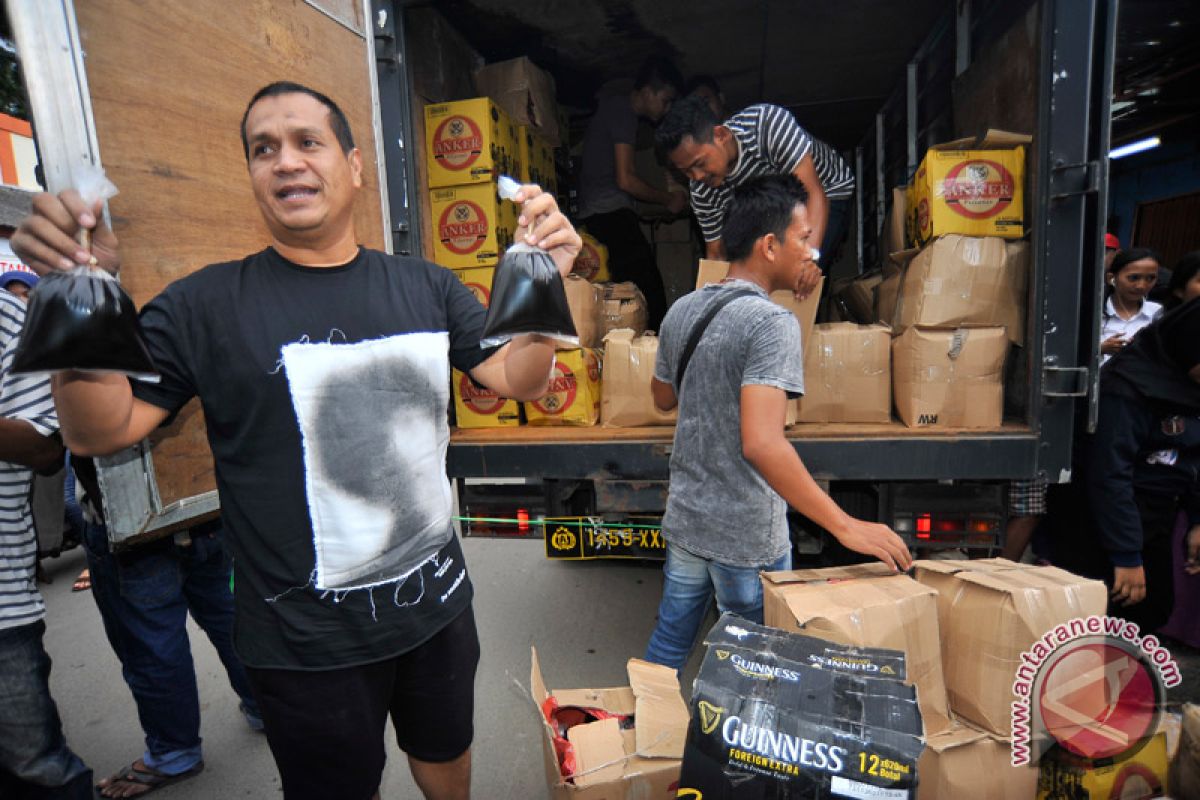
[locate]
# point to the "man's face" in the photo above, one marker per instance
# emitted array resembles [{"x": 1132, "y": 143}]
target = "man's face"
[
  {"x": 303, "y": 182},
  {"x": 706, "y": 163},
  {"x": 19, "y": 288},
  {"x": 793, "y": 251},
  {"x": 1109, "y": 254},
  {"x": 658, "y": 101}
]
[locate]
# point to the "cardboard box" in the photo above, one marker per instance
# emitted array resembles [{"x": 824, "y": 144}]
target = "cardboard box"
[
  {"x": 967, "y": 762},
  {"x": 479, "y": 281},
  {"x": 469, "y": 141},
  {"x": 990, "y": 611},
  {"x": 536, "y": 159},
  {"x": 765, "y": 724},
  {"x": 1142, "y": 775},
  {"x": 624, "y": 307},
  {"x": 615, "y": 764},
  {"x": 976, "y": 188},
  {"x": 573, "y": 397},
  {"x": 476, "y": 406},
  {"x": 847, "y": 374},
  {"x": 525, "y": 91},
  {"x": 895, "y": 236},
  {"x": 949, "y": 378},
  {"x": 586, "y": 301},
  {"x": 472, "y": 225},
  {"x": 592, "y": 261},
  {"x": 628, "y": 369},
  {"x": 1185, "y": 766},
  {"x": 965, "y": 280},
  {"x": 859, "y": 297},
  {"x": 866, "y": 605},
  {"x": 712, "y": 271}
]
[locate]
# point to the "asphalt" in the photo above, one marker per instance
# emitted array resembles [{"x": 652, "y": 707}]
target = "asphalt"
[{"x": 586, "y": 619}]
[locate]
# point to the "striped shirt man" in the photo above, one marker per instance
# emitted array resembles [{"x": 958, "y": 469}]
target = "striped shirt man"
[
  {"x": 769, "y": 141},
  {"x": 25, "y": 398}
]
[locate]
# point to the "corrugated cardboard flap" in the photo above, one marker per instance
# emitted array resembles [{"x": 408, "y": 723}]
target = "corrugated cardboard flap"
[
  {"x": 599, "y": 752},
  {"x": 617, "y": 700},
  {"x": 661, "y": 718},
  {"x": 875, "y": 569},
  {"x": 957, "y": 736},
  {"x": 992, "y": 139}
]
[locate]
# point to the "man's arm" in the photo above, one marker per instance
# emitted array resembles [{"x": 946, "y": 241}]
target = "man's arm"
[
  {"x": 715, "y": 250},
  {"x": 818, "y": 203},
  {"x": 663, "y": 394},
  {"x": 629, "y": 182},
  {"x": 20, "y": 443},
  {"x": 763, "y": 412},
  {"x": 99, "y": 415}
]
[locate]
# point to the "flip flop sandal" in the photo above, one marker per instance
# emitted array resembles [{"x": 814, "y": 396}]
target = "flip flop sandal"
[
  {"x": 83, "y": 582},
  {"x": 152, "y": 779}
]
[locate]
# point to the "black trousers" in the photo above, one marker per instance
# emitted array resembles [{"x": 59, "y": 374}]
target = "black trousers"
[{"x": 630, "y": 258}]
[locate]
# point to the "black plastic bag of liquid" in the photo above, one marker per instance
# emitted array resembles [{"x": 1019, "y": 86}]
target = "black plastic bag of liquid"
[
  {"x": 83, "y": 320},
  {"x": 528, "y": 297}
]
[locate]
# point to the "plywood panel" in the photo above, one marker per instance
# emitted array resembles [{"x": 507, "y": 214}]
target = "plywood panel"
[{"x": 169, "y": 82}]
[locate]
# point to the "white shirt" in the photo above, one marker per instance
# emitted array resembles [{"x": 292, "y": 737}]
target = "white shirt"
[{"x": 1113, "y": 325}]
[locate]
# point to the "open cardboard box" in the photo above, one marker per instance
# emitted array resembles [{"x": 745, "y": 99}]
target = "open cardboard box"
[{"x": 615, "y": 764}]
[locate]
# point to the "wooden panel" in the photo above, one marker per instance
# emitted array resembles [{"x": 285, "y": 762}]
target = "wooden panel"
[
  {"x": 169, "y": 82},
  {"x": 1170, "y": 227}
]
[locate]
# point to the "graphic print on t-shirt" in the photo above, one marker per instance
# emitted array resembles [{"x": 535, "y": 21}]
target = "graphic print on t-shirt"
[{"x": 373, "y": 424}]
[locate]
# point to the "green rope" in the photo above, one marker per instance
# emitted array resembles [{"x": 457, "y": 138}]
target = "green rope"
[{"x": 558, "y": 522}]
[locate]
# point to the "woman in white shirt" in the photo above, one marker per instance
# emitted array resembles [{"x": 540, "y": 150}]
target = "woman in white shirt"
[{"x": 1130, "y": 278}]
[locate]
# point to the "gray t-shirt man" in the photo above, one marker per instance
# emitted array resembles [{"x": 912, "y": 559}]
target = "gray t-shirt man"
[
  {"x": 719, "y": 506},
  {"x": 614, "y": 123}
]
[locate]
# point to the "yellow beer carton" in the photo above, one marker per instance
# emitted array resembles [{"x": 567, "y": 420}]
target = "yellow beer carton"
[
  {"x": 469, "y": 141},
  {"x": 478, "y": 407},
  {"x": 472, "y": 226},
  {"x": 479, "y": 281},
  {"x": 1143, "y": 774},
  {"x": 536, "y": 158},
  {"x": 592, "y": 261},
  {"x": 972, "y": 188},
  {"x": 574, "y": 394}
]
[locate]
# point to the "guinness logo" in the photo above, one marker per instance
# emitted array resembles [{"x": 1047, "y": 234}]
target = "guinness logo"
[
  {"x": 722, "y": 654},
  {"x": 710, "y": 716}
]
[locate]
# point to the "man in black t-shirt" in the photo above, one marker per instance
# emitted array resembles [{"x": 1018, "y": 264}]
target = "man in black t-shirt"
[{"x": 323, "y": 371}]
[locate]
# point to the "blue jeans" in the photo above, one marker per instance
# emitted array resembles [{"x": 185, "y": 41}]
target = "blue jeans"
[
  {"x": 688, "y": 586},
  {"x": 35, "y": 761},
  {"x": 144, "y": 596}
]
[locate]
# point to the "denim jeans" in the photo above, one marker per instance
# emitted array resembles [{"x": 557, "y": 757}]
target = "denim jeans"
[
  {"x": 35, "y": 761},
  {"x": 144, "y": 596},
  {"x": 688, "y": 586}
]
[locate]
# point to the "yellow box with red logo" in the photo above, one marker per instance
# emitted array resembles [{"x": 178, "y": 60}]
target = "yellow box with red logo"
[
  {"x": 536, "y": 158},
  {"x": 1142, "y": 774},
  {"x": 469, "y": 141},
  {"x": 971, "y": 187},
  {"x": 479, "y": 281},
  {"x": 573, "y": 397},
  {"x": 472, "y": 226},
  {"x": 478, "y": 407},
  {"x": 592, "y": 261}
]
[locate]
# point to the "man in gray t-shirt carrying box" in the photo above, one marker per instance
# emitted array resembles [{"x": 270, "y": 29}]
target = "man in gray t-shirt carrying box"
[{"x": 733, "y": 471}]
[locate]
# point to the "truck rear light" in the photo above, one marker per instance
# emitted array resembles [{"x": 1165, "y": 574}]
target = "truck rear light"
[
  {"x": 902, "y": 523},
  {"x": 924, "y": 526},
  {"x": 523, "y": 520}
]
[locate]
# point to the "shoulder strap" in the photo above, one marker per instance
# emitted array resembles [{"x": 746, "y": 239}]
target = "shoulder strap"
[{"x": 701, "y": 326}]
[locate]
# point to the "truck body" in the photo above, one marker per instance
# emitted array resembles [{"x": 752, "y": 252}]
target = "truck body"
[{"x": 1043, "y": 67}]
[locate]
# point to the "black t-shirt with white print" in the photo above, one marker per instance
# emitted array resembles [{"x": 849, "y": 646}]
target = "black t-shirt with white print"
[{"x": 325, "y": 392}]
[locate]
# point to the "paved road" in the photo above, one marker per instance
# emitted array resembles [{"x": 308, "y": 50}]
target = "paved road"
[{"x": 586, "y": 619}]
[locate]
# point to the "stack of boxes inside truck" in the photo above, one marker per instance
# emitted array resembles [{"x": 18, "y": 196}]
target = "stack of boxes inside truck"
[
  {"x": 954, "y": 302},
  {"x": 512, "y": 130}
]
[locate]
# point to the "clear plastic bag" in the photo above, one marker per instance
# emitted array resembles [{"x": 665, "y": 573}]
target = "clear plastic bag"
[{"x": 82, "y": 319}]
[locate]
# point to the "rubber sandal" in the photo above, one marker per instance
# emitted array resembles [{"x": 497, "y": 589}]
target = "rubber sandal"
[
  {"x": 152, "y": 779},
  {"x": 83, "y": 582}
]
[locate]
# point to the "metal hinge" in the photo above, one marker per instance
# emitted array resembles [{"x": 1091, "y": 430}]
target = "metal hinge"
[
  {"x": 1065, "y": 381},
  {"x": 1068, "y": 180}
]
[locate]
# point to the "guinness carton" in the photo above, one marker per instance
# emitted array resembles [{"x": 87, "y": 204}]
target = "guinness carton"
[{"x": 766, "y": 726}]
